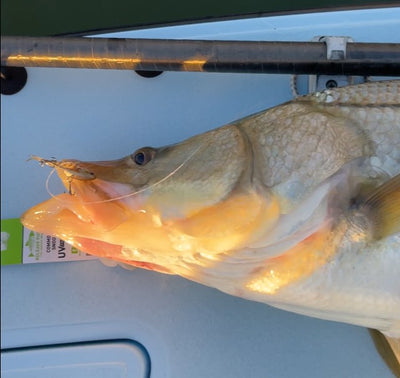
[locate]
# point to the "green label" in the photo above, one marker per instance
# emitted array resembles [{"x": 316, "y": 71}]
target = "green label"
[
  {"x": 11, "y": 241},
  {"x": 42, "y": 248},
  {"x": 20, "y": 245}
]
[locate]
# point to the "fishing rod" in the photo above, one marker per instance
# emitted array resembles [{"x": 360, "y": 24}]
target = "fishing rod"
[{"x": 382, "y": 59}]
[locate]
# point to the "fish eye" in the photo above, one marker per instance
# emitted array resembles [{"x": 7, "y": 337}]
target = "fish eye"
[{"x": 143, "y": 155}]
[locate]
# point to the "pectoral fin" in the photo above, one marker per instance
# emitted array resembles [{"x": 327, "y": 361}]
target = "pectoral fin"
[
  {"x": 389, "y": 349},
  {"x": 383, "y": 207}
]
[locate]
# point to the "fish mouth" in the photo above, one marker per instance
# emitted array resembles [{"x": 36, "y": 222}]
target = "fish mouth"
[
  {"x": 97, "y": 215},
  {"x": 95, "y": 205}
]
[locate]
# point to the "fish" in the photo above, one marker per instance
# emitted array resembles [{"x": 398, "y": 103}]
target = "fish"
[{"x": 296, "y": 206}]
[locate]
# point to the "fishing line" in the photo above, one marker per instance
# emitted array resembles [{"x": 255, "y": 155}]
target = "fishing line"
[
  {"x": 180, "y": 166},
  {"x": 48, "y": 183}
]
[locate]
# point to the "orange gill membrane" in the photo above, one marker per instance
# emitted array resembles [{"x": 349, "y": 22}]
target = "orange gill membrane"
[{"x": 112, "y": 220}]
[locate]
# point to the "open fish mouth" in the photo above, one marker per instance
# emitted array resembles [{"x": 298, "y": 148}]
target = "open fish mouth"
[
  {"x": 91, "y": 211},
  {"x": 90, "y": 215}
]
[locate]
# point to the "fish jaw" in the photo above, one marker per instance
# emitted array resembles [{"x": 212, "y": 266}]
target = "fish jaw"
[
  {"x": 132, "y": 235},
  {"x": 88, "y": 227},
  {"x": 65, "y": 218}
]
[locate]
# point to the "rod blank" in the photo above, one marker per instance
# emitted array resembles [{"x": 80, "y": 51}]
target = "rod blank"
[{"x": 381, "y": 59}]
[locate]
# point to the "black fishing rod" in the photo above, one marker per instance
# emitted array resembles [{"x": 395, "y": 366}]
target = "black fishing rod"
[{"x": 382, "y": 59}]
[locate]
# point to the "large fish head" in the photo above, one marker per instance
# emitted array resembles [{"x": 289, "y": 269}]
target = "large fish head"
[{"x": 159, "y": 204}]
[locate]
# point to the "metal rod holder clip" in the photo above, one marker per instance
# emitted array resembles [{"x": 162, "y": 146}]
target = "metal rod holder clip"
[{"x": 335, "y": 46}]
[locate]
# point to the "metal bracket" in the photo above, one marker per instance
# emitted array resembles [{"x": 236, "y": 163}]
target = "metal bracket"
[
  {"x": 335, "y": 50},
  {"x": 335, "y": 46}
]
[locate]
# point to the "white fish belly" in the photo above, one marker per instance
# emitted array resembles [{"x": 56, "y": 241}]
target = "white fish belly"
[{"x": 359, "y": 286}]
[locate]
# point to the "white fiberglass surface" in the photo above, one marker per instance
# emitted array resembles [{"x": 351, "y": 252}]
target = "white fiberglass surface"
[
  {"x": 110, "y": 359},
  {"x": 188, "y": 330}
]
